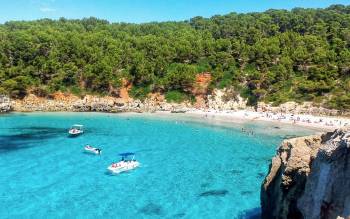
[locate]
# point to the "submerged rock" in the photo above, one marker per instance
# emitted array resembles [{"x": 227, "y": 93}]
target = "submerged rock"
[
  {"x": 221, "y": 192},
  {"x": 309, "y": 178},
  {"x": 151, "y": 209}
]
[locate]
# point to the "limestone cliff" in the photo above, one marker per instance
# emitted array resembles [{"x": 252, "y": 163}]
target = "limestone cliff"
[
  {"x": 216, "y": 99},
  {"x": 68, "y": 102},
  {"x": 309, "y": 178},
  {"x": 226, "y": 99},
  {"x": 5, "y": 104}
]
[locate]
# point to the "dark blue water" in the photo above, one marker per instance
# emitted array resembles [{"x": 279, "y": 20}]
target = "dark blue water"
[{"x": 188, "y": 170}]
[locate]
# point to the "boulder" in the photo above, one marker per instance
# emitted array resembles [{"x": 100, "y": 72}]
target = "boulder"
[{"x": 5, "y": 104}]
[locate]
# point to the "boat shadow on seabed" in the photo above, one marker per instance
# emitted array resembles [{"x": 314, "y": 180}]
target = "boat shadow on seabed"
[{"x": 27, "y": 137}]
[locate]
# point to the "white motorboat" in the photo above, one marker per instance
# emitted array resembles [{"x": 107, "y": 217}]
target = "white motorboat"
[
  {"x": 124, "y": 164},
  {"x": 92, "y": 150},
  {"x": 76, "y": 130}
]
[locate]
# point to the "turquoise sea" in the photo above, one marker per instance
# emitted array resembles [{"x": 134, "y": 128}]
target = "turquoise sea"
[{"x": 188, "y": 169}]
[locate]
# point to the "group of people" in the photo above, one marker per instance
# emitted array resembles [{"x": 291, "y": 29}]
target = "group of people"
[
  {"x": 122, "y": 163},
  {"x": 248, "y": 132},
  {"x": 311, "y": 120},
  {"x": 89, "y": 148},
  {"x": 306, "y": 119}
]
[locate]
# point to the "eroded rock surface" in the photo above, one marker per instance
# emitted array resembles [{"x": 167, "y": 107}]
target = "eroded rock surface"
[
  {"x": 226, "y": 99},
  {"x": 309, "y": 178},
  {"x": 5, "y": 104},
  {"x": 71, "y": 103}
]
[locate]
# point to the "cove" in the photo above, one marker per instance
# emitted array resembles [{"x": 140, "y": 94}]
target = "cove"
[{"x": 188, "y": 169}]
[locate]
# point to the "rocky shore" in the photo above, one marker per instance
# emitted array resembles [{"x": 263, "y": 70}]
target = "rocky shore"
[
  {"x": 67, "y": 102},
  {"x": 220, "y": 103},
  {"x": 218, "y": 100},
  {"x": 5, "y": 104},
  {"x": 309, "y": 178}
]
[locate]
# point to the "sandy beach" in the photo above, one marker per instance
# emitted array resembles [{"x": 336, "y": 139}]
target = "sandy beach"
[
  {"x": 323, "y": 123},
  {"x": 319, "y": 122}
]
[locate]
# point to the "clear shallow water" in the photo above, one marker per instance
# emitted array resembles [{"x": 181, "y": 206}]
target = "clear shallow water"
[{"x": 189, "y": 170}]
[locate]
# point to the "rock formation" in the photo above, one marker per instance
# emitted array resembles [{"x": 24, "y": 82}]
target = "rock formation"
[
  {"x": 200, "y": 89},
  {"x": 217, "y": 99},
  {"x": 124, "y": 90},
  {"x": 5, "y": 104},
  {"x": 309, "y": 178},
  {"x": 297, "y": 108},
  {"x": 226, "y": 99},
  {"x": 71, "y": 103}
]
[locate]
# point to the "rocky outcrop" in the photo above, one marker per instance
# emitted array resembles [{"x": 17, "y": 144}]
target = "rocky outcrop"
[
  {"x": 5, "y": 104},
  {"x": 218, "y": 99},
  {"x": 124, "y": 91},
  {"x": 68, "y": 102},
  {"x": 226, "y": 99},
  {"x": 297, "y": 108},
  {"x": 200, "y": 89},
  {"x": 309, "y": 178}
]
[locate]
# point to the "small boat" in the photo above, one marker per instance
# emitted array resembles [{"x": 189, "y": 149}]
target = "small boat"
[
  {"x": 76, "y": 130},
  {"x": 125, "y": 164},
  {"x": 92, "y": 150}
]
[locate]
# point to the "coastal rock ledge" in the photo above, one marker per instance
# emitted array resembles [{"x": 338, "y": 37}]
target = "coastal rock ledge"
[
  {"x": 309, "y": 178},
  {"x": 5, "y": 104}
]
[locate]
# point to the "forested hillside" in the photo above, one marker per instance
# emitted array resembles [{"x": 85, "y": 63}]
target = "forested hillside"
[{"x": 277, "y": 55}]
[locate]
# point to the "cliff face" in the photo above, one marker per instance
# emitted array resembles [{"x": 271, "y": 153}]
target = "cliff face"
[
  {"x": 226, "y": 99},
  {"x": 68, "y": 102},
  {"x": 5, "y": 104},
  {"x": 217, "y": 99},
  {"x": 309, "y": 178},
  {"x": 200, "y": 89}
]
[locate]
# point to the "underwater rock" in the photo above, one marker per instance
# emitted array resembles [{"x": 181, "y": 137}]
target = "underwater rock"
[
  {"x": 221, "y": 192},
  {"x": 246, "y": 193},
  {"x": 151, "y": 209},
  {"x": 260, "y": 175},
  {"x": 254, "y": 213},
  {"x": 179, "y": 215}
]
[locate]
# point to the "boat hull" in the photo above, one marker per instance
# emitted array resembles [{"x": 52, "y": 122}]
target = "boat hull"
[
  {"x": 93, "y": 151},
  {"x": 121, "y": 169},
  {"x": 74, "y": 134}
]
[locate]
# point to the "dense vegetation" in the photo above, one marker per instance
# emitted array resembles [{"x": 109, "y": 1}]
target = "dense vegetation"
[{"x": 277, "y": 55}]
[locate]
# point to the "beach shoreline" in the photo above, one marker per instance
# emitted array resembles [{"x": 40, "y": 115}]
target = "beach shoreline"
[
  {"x": 322, "y": 123},
  {"x": 316, "y": 122},
  {"x": 231, "y": 111}
]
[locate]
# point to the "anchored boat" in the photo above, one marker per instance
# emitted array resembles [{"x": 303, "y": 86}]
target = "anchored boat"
[
  {"x": 76, "y": 130},
  {"x": 125, "y": 164},
  {"x": 92, "y": 150}
]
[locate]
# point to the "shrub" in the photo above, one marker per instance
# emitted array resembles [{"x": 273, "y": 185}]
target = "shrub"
[
  {"x": 341, "y": 102},
  {"x": 176, "y": 96},
  {"x": 76, "y": 90},
  {"x": 140, "y": 92}
]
